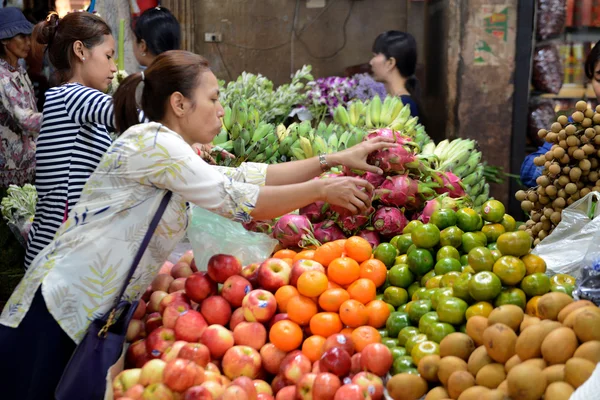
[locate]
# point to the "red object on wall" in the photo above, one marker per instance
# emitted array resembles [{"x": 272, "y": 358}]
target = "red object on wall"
[{"x": 139, "y": 6}]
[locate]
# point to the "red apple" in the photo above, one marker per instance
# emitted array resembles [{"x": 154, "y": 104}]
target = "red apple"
[
  {"x": 199, "y": 286},
  {"x": 301, "y": 266},
  {"x": 173, "y": 298},
  {"x": 218, "y": 339},
  {"x": 181, "y": 270},
  {"x": 161, "y": 283},
  {"x": 225, "y": 381},
  {"x": 216, "y": 310},
  {"x": 212, "y": 376},
  {"x": 264, "y": 396},
  {"x": 271, "y": 358},
  {"x": 376, "y": 358},
  {"x": 259, "y": 306},
  {"x": 273, "y": 274},
  {"x": 215, "y": 388},
  {"x": 136, "y": 330},
  {"x": 235, "y": 289},
  {"x": 325, "y": 386},
  {"x": 193, "y": 265},
  {"x": 158, "y": 391},
  {"x": 222, "y": 266},
  {"x": 190, "y": 326},
  {"x": 336, "y": 361},
  {"x": 355, "y": 362},
  {"x": 247, "y": 386},
  {"x": 234, "y": 392},
  {"x": 140, "y": 310},
  {"x": 241, "y": 361},
  {"x": 180, "y": 375},
  {"x": 250, "y": 272},
  {"x": 196, "y": 352},
  {"x": 316, "y": 368},
  {"x": 262, "y": 387},
  {"x": 158, "y": 341},
  {"x": 236, "y": 317},
  {"x": 147, "y": 294},
  {"x": 135, "y": 392},
  {"x": 305, "y": 386},
  {"x": 177, "y": 285},
  {"x": 152, "y": 372},
  {"x": 351, "y": 392},
  {"x": 155, "y": 300},
  {"x": 213, "y": 366},
  {"x": 187, "y": 257},
  {"x": 153, "y": 321},
  {"x": 287, "y": 393},
  {"x": 371, "y": 383},
  {"x": 125, "y": 380},
  {"x": 173, "y": 352},
  {"x": 341, "y": 340},
  {"x": 166, "y": 268},
  {"x": 198, "y": 393},
  {"x": 251, "y": 334},
  {"x": 137, "y": 354},
  {"x": 277, "y": 318},
  {"x": 294, "y": 366},
  {"x": 278, "y": 383},
  {"x": 172, "y": 313}
]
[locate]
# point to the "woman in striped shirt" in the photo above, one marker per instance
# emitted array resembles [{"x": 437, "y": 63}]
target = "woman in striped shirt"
[{"x": 76, "y": 121}]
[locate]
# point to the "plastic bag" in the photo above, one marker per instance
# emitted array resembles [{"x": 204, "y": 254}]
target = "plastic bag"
[
  {"x": 541, "y": 116},
  {"x": 575, "y": 241},
  {"x": 212, "y": 234},
  {"x": 552, "y": 15},
  {"x": 547, "y": 69}
]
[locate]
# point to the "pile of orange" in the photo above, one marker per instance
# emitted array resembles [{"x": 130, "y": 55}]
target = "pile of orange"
[{"x": 339, "y": 300}]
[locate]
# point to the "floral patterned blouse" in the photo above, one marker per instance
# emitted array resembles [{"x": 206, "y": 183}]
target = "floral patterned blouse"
[
  {"x": 83, "y": 269},
  {"x": 19, "y": 126}
]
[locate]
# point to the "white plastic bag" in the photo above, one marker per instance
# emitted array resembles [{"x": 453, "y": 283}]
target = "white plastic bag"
[
  {"x": 576, "y": 239},
  {"x": 212, "y": 234}
]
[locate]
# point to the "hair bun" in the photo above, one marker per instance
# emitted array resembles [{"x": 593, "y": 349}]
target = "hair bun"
[{"x": 49, "y": 29}]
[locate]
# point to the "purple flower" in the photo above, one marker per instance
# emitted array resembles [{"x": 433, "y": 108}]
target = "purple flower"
[
  {"x": 329, "y": 92},
  {"x": 366, "y": 88}
]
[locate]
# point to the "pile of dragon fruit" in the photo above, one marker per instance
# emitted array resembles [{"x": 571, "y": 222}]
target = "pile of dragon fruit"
[{"x": 409, "y": 189}]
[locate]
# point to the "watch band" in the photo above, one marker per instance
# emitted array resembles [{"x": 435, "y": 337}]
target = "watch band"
[{"x": 323, "y": 163}]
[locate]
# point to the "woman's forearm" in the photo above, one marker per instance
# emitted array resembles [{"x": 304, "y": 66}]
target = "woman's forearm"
[
  {"x": 275, "y": 201},
  {"x": 297, "y": 171}
]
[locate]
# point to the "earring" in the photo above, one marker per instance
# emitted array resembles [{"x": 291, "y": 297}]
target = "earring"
[
  {"x": 143, "y": 54},
  {"x": 82, "y": 58}
]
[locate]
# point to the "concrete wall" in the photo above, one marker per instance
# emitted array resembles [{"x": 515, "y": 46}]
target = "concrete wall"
[{"x": 267, "y": 23}]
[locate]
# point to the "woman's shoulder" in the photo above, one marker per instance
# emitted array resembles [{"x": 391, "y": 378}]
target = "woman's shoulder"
[
  {"x": 156, "y": 135},
  {"x": 414, "y": 108}
]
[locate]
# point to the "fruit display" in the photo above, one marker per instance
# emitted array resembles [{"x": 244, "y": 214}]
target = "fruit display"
[
  {"x": 570, "y": 170},
  {"x": 297, "y": 326}
]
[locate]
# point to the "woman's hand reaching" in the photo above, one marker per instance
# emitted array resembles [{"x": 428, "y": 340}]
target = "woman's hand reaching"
[
  {"x": 206, "y": 152},
  {"x": 353, "y": 194},
  {"x": 356, "y": 157}
]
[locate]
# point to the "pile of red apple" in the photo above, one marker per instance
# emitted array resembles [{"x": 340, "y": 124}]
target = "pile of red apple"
[{"x": 190, "y": 341}]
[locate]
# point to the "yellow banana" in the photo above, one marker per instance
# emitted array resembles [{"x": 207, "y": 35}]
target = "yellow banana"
[
  {"x": 306, "y": 147},
  {"x": 375, "y": 111}
]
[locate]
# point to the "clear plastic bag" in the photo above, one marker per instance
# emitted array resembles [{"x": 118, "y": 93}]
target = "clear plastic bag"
[
  {"x": 575, "y": 242},
  {"x": 552, "y": 15},
  {"x": 212, "y": 234},
  {"x": 547, "y": 73}
]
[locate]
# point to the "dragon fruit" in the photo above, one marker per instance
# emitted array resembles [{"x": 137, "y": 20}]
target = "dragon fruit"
[
  {"x": 370, "y": 236},
  {"x": 315, "y": 212},
  {"x": 292, "y": 230},
  {"x": 371, "y": 177},
  {"x": 402, "y": 191},
  {"x": 352, "y": 223},
  {"x": 259, "y": 226},
  {"x": 389, "y": 133},
  {"x": 393, "y": 159},
  {"x": 328, "y": 231},
  {"x": 389, "y": 221},
  {"x": 431, "y": 206},
  {"x": 451, "y": 184}
]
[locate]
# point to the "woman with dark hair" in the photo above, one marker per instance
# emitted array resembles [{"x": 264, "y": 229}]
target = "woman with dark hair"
[
  {"x": 78, "y": 276},
  {"x": 592, "y": 69},
  {"x": 394, "y": 63},
  {"x": 156, "y": 30}
]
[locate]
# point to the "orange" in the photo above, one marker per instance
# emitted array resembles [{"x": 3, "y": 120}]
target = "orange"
[
  {"x": 363, "y": 290},
  {"x": 327, "y": 253},
  {"x": 304, "y": 255},
  {"x": 333, "y": 285},
  {"x": 374, "y": 270},
  {"x": 325, "y": 324},
  {"x": 285, "y": 253},
  {"x": 532, "y": 306},
  {"x": 301, "y": 309},
  {"x": 332, "y": 299},
  {"x": 286, "y": 335},
  {"x": 364, "y": 335},
  {"x": 378, "y": 313},
  {"x": 347, "y": 331},
  {"x": 312, "y": 283},
  {"x": 534, "y": 263},
  {"x": 283, "y": 295},
  {"x": 343, "y": 271},
  {"x": 313, "y": 347},
  {"x": 358, "y": 249},
  {"x": 353, "y": 313}
]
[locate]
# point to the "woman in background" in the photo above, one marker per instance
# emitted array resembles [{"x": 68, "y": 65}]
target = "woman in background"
[{"x": 156, "y": 30}]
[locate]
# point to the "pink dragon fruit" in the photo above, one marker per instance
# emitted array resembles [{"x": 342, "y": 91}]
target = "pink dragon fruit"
[
  {"x": 389, "y": 221},
  {"x": 451, "y": 184},
  {"x": 352, "y": 223},
  {"x": 431, "y": 206},
  {"x": 259, "y": 226},
  {"x": 402, "y": 191},
  {"x": 389, "y": 133},
  {"x": 292, "y": 230},
  {"x": 315, "y": 212},
  {"x": 394, "y": 159},
  {"x": 328, "y": 231},
  {"x": 371, "y": 177},
  {"x": 370, "y": 236}
]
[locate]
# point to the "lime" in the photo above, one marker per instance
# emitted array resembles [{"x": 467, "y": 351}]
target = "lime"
[
  {"x": 435, "y": 282},
  {"x": 464, "y": 260},
  {"x": 398, "y": 352},
  {"x": 410, "y": 249},
  {"x": 492, "y": 211},
  {"x": 401, "y": 259},
  {"x": 406, "y": 333},
  {"x": 535, "y": 284},
  {"x": 396, "y": 296},
  {"x": 510, "y": 270},
  {"x": 562, "y": 279},
  {"x": 509, "y": 223},
  {"x": 470, "y": 240},
  {"x": 383, "y": 332},
  {"x": 401, "y": 276},
  {"x": 481, "y": 259},
  {"x": 484, "y": 286},
  {"x": 420, "y": 261},
  {"x": 403, "y": 365},
  {"x": 513, "y": 296},
  {"x": 534, "y": 263},
  {"x": 401, "y": 308},
  {"x": 447, "y": 265},
  {"x": 439, "y": 330},
  {"x": 451, "y": 236},
  {"x": 482, "y": 308},
  {"x": 403, "y": 242},
  {"x": 425, "y": 236},
  {"x": 425, "y": 278},
  {"x": 452, "y": 310},
  {"x": 449, "y": 279},
  {"x": 440, "y": 294},
  {"x": 443, "y": 218},
  {"x": 395, "y": 322},
  {"x": 417, "y": 309},
  {"x": 565, "y": 288},
  {"x": 389, "y": 342},
  {"x": 468, "y": 220},
  {"x": 493, "y": 231},
  {"x": 426, "y": 320},
  {"x": 414, "y": 340},
  {"x": 386, "y": 253},
  {"x": 421, "y": 294},
  {"x": 413, "y": 288},
  {"x": 411, "y": 225},
  {"x": 496, "y": 254},
  {"x": 423, "y": 349},
  {"x": 514, "y": 243},
  {"x": 493, "y": 245},
  {"x": 468, "y": 269},
  {"x": 447, "y": 252},
  {"x": 461, "y": 287}
]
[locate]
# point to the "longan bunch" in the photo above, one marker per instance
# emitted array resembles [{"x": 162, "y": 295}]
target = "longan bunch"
[{"x": 570, "y": 170}]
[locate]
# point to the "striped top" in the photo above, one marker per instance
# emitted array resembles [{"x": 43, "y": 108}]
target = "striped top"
[{"x": 73, "y": 138}]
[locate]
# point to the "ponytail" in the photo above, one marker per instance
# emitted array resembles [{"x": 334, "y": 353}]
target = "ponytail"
[
  {"x": 125, "y": 103},
  {"x": 413, "y": 87}
]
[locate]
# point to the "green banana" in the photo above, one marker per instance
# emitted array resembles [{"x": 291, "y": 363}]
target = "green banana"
[
  {"x": 340, "y": 115},
  {"x": 440, "y": 149},
  {"x": 375, "y": 111},
  {"x": 284, "y": 146},
  {"x": 332, "y": 144},
  {"x": 319, "y": 145},
  {"x": 398, "y": 107},
  {"x": 304, "y": 129},
  {"x": 281, "y": 132},
  {"x": 477, "y": 188},
  {"x": 239, "y": 147},
  {"x": 473, "y": 162},
  {"x": 221, "y": 137},
  {"x": 428, "y": 148},
  {"x": 473, "y": 178},
  {"x": 386, "y": 111},
  {"x": 236, "y": 130},
  {"x": 227, "y": 146},
  {"x": 242, "y": 113},
  {"x": 306, "y": 147},
  {"x": 298, "y": 154},
  {"x": 245, "y": 135},
  {"x": 227, "y": 118}
]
